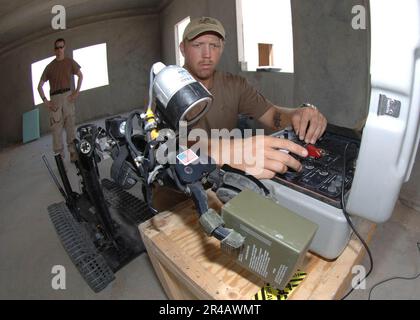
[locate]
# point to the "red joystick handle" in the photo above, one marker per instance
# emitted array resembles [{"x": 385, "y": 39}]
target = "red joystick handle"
[{"x": 314, "y": 152}]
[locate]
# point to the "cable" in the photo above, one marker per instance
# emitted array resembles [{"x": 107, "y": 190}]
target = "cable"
[
  {"x": 151, "y": 79},
  {"x": 394, "y": 278},
  {"x": 115, "y": 140},
  {"x": 343, "y": 204},
  {"x": 220, "y": 233},
  {"x": 390, "y": 279}
]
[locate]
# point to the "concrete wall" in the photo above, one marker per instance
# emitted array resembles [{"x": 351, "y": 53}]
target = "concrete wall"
[
  {"x": 133, "y": 45},
  {"x": 331, "y": 60},
  {"x": 277, "y": 87}
]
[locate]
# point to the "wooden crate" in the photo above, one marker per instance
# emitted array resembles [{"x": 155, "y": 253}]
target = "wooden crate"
[{"x": 190, "y": 265}]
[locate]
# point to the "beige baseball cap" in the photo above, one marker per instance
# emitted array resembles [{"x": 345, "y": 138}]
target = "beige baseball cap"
[{"x": 198, "y": 26}]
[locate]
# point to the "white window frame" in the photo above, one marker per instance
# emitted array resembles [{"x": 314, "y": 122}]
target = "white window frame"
[
  {"x": 179, "y": 31},
  {"x": 37, "y": 68},
  {"x": 244, "y": 46},
  {"x": 94, "y": 67}
]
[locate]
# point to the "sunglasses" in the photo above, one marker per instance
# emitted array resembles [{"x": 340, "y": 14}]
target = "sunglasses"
[{"x": 61, "y": 47}]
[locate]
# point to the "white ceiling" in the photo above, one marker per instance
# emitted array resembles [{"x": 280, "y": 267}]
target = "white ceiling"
[{"x": 21, "y": 20}]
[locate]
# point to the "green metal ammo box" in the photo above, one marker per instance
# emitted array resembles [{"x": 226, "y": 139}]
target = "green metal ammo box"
[{"x": 276, "y": 239}]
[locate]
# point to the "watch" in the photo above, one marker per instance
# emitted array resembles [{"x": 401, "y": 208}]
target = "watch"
[{"x": 308, "y": 105}]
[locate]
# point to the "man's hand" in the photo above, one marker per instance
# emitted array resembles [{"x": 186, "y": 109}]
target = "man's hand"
[
  {"x": 71, "y": 98},
  {"x": 309, "y": 124},
  {"x": 51, "y": 105},
  {"x": 264, "y": 156}
]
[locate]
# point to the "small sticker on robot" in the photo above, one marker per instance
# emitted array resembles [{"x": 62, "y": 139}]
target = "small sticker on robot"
[
  {"x": 184, "y": 76},
  {"x": 187, "y": 157},
  {"x": 389, "y": 107}
]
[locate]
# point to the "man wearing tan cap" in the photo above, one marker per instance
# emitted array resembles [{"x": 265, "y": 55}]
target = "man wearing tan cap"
[{"x": 202, "y": 48}]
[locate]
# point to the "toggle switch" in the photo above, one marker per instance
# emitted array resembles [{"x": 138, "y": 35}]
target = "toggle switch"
[{"x": 314, "y": 152}]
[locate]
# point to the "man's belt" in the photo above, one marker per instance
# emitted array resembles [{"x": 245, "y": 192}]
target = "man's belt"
[{"x": 59, "y": 91}]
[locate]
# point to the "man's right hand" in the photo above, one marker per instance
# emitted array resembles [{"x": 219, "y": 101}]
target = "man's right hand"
[
  {"x": 50, "y": 105},
  {"x": 264, "y": 156}
]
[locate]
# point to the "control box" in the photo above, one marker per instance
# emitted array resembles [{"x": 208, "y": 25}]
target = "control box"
[
  {"x": 322, "y": 171},
  {"x": 315, "y": 193}
]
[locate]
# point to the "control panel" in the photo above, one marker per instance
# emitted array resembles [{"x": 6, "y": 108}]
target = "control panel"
[{"x": 322, "y": 176}]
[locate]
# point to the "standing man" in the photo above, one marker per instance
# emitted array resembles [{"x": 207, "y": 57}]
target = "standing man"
[
  {"x": 61, "y": 106},
  {"x": 202, "y": 47}
]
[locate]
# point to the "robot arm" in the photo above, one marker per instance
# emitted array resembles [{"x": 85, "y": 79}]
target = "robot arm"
[{"x": 179, "y": 97}]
